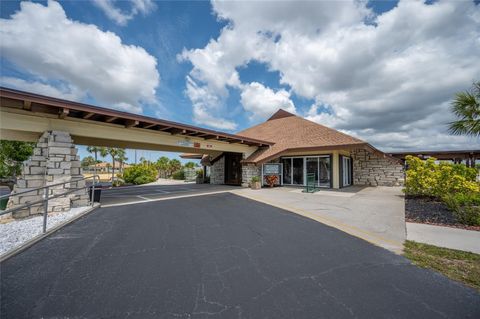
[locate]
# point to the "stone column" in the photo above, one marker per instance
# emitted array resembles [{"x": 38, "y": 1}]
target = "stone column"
[{"x": 54, "y": 160}]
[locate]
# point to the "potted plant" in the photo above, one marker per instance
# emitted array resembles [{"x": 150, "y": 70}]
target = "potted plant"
[{"x": 255, "y": 183}]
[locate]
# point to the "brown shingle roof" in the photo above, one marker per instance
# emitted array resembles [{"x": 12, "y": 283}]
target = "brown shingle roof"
[{"x": 291, "y": 132}]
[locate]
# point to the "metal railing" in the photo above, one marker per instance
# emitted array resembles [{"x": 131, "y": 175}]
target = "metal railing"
[{"x": 46, "y": 197}]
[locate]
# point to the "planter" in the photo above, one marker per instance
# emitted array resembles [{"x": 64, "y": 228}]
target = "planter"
[
  {"x": 255, "y": 185},
  {"x": 199, "y": 180}
]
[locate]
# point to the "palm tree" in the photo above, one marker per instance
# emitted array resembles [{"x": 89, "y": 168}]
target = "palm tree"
[
  {"x": 122, "y": 158},
  {"x": 174, "y": 165},
  {"x": 95, "y": 150},
  {"x": 162, "y": 166},
  {"x": 114, "y": 153},
  {"x": 466, "y": 107}
]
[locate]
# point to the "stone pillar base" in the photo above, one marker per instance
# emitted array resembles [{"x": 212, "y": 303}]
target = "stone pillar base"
[{"x": 54, "y": 160}]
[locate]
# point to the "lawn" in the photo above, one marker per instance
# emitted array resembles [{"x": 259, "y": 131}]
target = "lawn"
[{"x": 455, "y": 264}]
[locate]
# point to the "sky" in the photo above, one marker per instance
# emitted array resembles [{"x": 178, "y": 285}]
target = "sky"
[{"x": 385, "y": 72}]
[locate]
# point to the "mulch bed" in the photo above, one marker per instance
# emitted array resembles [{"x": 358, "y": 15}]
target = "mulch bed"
[{"x": 426, "y": 210}]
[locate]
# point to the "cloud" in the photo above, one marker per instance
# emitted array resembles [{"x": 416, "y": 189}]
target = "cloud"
[
  {"x": 120, "y": 17},
  {"x": 66, "y": 92},
  {"x": 262, "y": 102},
  {"x": 43, "y": 42},
  {"x": 205, "y": 104},
  {"x": 387, "y": 79}
]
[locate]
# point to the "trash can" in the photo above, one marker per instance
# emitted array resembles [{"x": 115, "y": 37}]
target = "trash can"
[
  {"x": 96, "y": 195},
  {"x": 3, "y": 203}
]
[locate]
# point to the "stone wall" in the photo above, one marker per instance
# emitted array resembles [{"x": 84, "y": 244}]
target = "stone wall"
[
  {"x": 54, "y": 160},
  {"x": 217, "y": 172},
  {"x": 373, "y": 170},
  {"x": 249, "y": 171}
]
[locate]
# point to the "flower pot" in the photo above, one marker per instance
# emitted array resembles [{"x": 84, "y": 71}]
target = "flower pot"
[{"x": 255, "y": 185}]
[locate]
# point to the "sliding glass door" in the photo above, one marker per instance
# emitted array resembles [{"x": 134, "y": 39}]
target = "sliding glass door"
[
  {"x": 297, "y": 165},
  {"x": 287, "y": 171},
  {"x": 324, "y": 172},
  {"x": 295, "y": 170},
  {"x": 346, "y": 171}
]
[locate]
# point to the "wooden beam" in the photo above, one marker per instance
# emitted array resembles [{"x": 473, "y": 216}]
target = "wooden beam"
[
  {"x": 88, "y": 115},
  {"x": 149, "y": 125},
  {"x": 63, "y": 113},
  {"x": 110, "y": 119},
  {"x": 27, "y": 105},
  {"x": 164, "y": 128},
  {"x": 131, "y": 123}
]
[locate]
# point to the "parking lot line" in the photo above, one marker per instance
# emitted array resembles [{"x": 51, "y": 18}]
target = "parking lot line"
[{"x": 166, "y": 198}]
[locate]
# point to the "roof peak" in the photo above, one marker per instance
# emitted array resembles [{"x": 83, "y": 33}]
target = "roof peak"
[{"x": 281, "y": 113}]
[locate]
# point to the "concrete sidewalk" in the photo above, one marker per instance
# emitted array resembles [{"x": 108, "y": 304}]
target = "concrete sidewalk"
[
  {"x": 375, "y": 214},
  {"x": 448, "y": 237}
]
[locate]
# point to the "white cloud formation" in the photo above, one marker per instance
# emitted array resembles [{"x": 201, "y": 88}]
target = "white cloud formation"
[
  {"x": 262, "y": 102},
  {"x": 206, "y": 106},
  {"x": 387, "y": 79},
  {"x": 120, "y": 17},
  {"x": 45, "y": 43},
  {"x": 66, "y": 92}
]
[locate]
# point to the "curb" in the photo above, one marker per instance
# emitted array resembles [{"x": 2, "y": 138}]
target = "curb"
[
  {"x": 393, "y": 246},
  {"x": 38, "y": 238}
]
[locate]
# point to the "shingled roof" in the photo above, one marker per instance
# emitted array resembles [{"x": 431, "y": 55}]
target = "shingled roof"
[{"x": 293, "y": 133}]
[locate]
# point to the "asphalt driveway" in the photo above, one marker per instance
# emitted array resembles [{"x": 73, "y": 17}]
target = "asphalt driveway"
[
  {"x": 129, "y": 194},
  {"x": 219, "y": 256}
]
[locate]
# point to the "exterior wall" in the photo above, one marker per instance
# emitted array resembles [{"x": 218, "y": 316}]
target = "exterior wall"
[
  {"x": 217, "y": 172},
  {"x": 54, "y": 160},
  {"x": 372, "y": 170},
  {"x": 249, "y": 171}
]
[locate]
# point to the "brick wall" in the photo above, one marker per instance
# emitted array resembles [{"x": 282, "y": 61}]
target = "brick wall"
[
  {"x": 373, "y": 170},
  {"x": 248, "y": 171},
  {"x": 217, "y": 172}
]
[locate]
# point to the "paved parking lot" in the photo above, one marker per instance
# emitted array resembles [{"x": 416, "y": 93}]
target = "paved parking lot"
[
  {"x": 131, "y": 194},
  {"x": 219, "y": 256}
]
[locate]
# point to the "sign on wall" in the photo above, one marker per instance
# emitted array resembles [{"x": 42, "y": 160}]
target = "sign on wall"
[{"x": 272, "y": 169}]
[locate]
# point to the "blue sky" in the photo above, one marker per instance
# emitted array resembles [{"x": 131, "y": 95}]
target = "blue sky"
[{"x": 360, "y": 67}]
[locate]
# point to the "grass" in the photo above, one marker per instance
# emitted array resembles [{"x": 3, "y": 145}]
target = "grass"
[{"x": 455, "y": 264}]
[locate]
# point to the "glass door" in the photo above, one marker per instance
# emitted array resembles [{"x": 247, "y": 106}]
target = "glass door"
[
  {"x": 347, "y": 171},
  {"x": 297, "y": 164},
  {"x": 324, "y": 171},
  {"x": 312, "y": 168},
  {"x": 287, "y": 171}
]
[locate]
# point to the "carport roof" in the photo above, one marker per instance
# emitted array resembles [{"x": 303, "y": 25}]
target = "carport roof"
[{"x": 64, "y": 108}]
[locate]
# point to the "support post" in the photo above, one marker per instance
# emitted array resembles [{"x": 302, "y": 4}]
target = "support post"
[{"x": 45, "y": 209}]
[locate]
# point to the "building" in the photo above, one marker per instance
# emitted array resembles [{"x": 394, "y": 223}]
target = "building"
[{"x": 304, "y": 150}]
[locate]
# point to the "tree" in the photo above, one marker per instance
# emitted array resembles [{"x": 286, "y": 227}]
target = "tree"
[
  {"x": 12, "y": 155},
  {"x": 466, "y": 106},
  {"x": 96, "y": 150},
  {"x": 162, "y": 166},
  {"x": 122, "y": 158},
  {"x": 88, "y": 161},
  {"x": 114, "y": 153},
  {"x": 174, "y": 165},
  {"x": 190, "y": 165}
]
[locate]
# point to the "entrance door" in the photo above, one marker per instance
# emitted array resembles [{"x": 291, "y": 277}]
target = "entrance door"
[
  {"x": 233, "y": 169},
  {"x": 347, "y": 171},
  {"x": 298, "y": 171}
]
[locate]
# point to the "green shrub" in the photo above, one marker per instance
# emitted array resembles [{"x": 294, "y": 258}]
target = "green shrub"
[
  {"x": 199, "y": 173},
  {"x": 180, "y": 175},
  {"x": 140, "y": 174},
  {"x": 465, "y": 206},
  {"x": 255, "y": 179},
  {"x": 426, "y": 178}
]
